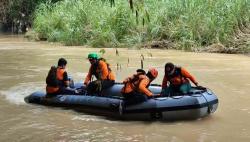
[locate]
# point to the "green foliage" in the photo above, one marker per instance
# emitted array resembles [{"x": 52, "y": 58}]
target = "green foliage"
[
  {"x": 187, "y": 22},
  {"x": 20, "y": 11}
]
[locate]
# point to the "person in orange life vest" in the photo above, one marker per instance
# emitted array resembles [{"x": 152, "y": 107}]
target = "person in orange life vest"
[
  {"x": 60, "y": 81},
  {"x": 176, "y": 80},
  {"x": 135, "y": 88},
  {"x": 102, "y": 72}
]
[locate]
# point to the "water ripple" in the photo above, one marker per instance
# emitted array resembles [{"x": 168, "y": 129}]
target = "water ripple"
[{"x": 17, "y": 93}]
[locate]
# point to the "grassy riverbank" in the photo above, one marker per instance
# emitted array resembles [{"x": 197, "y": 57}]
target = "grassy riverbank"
[{"x": 179, "y": 24}]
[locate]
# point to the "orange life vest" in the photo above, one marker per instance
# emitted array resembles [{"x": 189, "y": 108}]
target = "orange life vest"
[
  {"x": 177, "y": 78},
  {"x": 101, "y": 71},
  {"x": 59, "y": 76},
  {"x": 132, "y": 84}
]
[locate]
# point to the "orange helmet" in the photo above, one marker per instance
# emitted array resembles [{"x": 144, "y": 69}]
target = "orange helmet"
[{"x": 153, "y": 72}]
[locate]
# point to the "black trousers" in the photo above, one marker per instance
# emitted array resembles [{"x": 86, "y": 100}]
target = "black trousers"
[
  {"x": 62, "y": 91},
  {"x": 97, "y": 86},
  {"x": 134, "y": 98}
]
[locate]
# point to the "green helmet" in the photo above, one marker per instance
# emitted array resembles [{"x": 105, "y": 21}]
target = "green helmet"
[{"x": 93, "y": 56}]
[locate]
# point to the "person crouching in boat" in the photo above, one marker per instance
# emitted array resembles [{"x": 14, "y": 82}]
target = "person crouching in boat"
[
  {"x": 101, "y": 70},
  {"x": 135, "y": 88},
  {"x": 176, "y": 80},
  {"x": 57, "y": 80}
]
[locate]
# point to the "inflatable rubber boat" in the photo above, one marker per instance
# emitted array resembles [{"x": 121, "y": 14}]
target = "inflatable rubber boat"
[{"x": 196, "y": 104}]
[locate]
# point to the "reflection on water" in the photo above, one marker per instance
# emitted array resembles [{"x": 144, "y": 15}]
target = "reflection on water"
[{"x": 24, "y": 66}]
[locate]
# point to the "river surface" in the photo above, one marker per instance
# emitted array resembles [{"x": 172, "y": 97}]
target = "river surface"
[{"x": 24, "y": 66}]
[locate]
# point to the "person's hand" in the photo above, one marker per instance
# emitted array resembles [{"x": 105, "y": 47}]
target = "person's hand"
[
  {"x": 82, "y": 87},
  {"x": 154, "y": 95},
  {"x": 150, "y": 97},
  {"x": 86, "y": 83},
  {"x": 196, "y": 84},
  {"x": 77, "y": 91},
  {"x": 157, "y": 95},
  {"x": 201, "y": 88}
]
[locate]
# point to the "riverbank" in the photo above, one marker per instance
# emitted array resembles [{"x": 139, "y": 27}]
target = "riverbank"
[
  {"x": 24, "y": 66},
  {"x": 213, "y": 26},
  {"x": 240, "y": 45}
]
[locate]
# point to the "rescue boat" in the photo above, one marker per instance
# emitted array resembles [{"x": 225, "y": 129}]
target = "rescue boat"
[{"x": 196, "y": 104}]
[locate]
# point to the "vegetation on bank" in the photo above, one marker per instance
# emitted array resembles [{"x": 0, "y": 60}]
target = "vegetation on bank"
[
  {"x": 16, "y": 15},
  {"x": 183, "y": 23}
]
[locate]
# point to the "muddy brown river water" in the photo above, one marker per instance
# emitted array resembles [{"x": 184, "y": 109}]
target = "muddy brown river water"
[{"x": 24, "y": 66}]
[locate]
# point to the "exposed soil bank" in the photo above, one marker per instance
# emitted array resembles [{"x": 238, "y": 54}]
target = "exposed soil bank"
[{"x": 240, "y": 44}]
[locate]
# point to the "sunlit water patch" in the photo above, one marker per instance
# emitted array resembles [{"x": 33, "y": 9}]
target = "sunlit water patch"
[{"x": 91, "y": 118}]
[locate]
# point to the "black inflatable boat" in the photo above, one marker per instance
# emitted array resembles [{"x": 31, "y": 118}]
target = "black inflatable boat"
[{"x": 196, "y": 104}]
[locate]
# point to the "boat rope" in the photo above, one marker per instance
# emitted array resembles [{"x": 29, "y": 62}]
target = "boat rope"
[
  {"x": 177, "y": 97},
  {"x": 209, "y": 107},
  {"x": 209, "y": 91}
]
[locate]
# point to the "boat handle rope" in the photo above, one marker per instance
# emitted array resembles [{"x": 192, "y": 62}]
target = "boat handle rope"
[
  {"x": 177, "y": 97},
  {"x": 209, "y": 92},
  {"x": 194, "y": 94},
  {"x": 209, "y": 107},
  {"x": 167, "y": 97},
  {"x": 209, "y": 110}
]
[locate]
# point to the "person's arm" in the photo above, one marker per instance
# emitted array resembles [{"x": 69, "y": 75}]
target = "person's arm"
[
  {"x": 88, "y": 77},
  {"x": 143, "y": 87},
  {"x": 66, "y": 79},
  {"x": 164, "y": 82},
  {"x": 104, "y": 70},
  {"x": 186, "y": 74},
  {"x": 129, "y": 78}
]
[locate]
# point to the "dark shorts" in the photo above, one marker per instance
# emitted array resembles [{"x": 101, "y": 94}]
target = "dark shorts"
[{"x": 62, "y": 91}]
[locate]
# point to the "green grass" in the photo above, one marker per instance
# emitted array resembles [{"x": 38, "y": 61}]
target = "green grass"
[{"x": 189, "y": 23}]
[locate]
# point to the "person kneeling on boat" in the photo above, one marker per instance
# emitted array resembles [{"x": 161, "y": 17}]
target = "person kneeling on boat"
[
  {"x": 103, "y": 73},
  {"x": 176, "y": 80},
  {"x": 57, "y": 80},
  {"x": 135, "y": 88}
]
